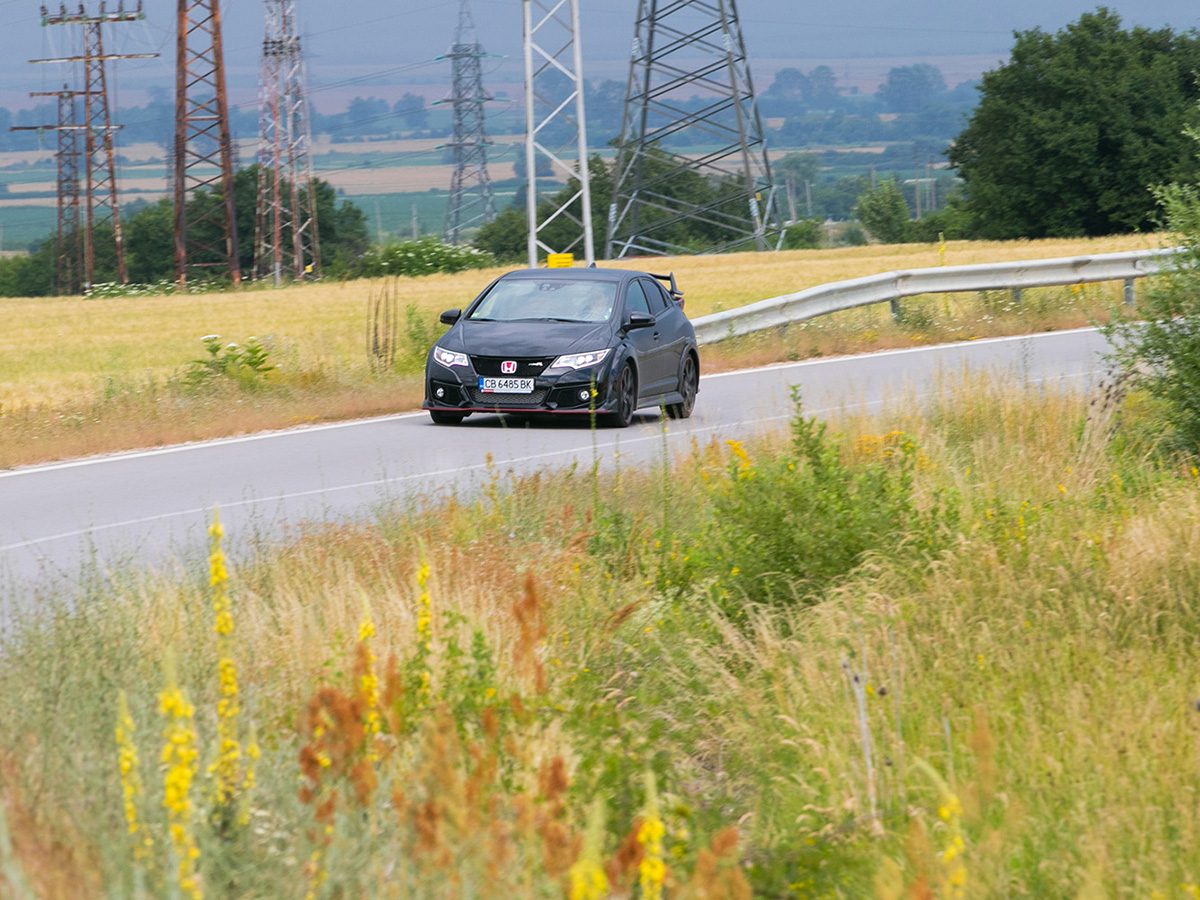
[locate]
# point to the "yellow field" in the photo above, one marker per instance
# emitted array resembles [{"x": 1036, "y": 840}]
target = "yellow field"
[{"x": 52, "y": 350}]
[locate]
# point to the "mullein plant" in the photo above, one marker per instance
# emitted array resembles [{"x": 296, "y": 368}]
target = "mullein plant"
[
  {"x": 131, "y": 781},
  {"x": 226, "y": 770},
  {"x": 652, "y": 871},
  {"x": 368, "y": 683},
  {"x": 179, "y": 763},
  {"x": 588, "y": 880}
]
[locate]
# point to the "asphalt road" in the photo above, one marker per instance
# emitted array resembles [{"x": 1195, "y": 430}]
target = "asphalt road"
[{"x": 57, "y": 520}]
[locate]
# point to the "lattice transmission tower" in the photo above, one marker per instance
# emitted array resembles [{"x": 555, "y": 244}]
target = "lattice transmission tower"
[
  {"x": 90, "y": 120},
  {"x": 69, "y": 257},
  {"x": 205, "y": 229},
  {"x": 555, "y": 132},
  {"x": 689, "y": 77},
  {"x": 286, "y": 242},
  {"x": 472, "y": 202}
]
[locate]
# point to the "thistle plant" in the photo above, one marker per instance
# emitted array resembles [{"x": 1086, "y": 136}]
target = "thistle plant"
[
  {"x": 226, "y": 769},
  {"x": 179, "y": 755}
]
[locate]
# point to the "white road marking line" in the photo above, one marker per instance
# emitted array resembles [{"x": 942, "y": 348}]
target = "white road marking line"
[{"x": 200, "y": 445}]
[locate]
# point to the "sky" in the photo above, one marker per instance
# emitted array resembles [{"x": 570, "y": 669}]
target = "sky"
[{"x": 380, "y": 47}]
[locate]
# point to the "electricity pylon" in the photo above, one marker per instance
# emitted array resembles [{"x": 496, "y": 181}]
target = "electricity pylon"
[
  {"x": 205, "y": 234},
  {"x": 100, "y": 203},
  {"x": 689, "y": 76},
  {"x": 555, "y": 130},
  {"x": 286, "y": 241},
  {"x": 472, "y": 202},
  {"x": 69, "y": 267}
]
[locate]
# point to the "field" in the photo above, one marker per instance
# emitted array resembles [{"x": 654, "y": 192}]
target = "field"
[
  {"x": 944, "y": 653},
  {"x": 83, "y": 376}
]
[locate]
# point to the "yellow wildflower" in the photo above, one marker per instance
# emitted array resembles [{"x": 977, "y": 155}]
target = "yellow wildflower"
[
  {"x": 227, "y": 767},
  {"x": 424, "y": 627},
  {"x": 742, "y": 457},
  {"x": 652, "y": 871},
  {"x": 586, "y": 876},
  {"x": 131, "y": 778},
  {"x": 369, "y": 683},
  {"x": 179, "y": 756}
]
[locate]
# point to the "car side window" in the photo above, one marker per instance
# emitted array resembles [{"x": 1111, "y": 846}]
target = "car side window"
[
  {"x": 635, "y": 299},
  {"x": 658, "y": 302}
]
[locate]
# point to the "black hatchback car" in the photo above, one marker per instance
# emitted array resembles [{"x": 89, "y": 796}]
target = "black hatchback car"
[{"x": 578, "y": 341}]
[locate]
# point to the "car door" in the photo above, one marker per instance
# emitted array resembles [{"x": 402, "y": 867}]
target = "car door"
[
  {"x": 646, "y": 342},
  {"x": 672, "y": 327}
]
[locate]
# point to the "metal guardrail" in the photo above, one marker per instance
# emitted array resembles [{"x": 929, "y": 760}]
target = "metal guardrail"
[{"x": 892, "y": 286}]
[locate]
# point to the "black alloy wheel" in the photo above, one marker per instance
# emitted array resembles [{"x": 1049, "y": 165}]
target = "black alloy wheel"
[
  {"x": 689, "y": 384},
  {"x": 440, "y": 417},
  {"x": 625, "y": 388}
]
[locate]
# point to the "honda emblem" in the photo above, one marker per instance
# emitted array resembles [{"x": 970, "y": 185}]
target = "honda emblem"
[{"x": 508, "y": 367}]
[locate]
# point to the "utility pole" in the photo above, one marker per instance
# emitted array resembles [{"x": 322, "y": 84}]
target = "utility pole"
[
  {"x": 100, "y": 204},
  {"x": 285, "y": 218},
  {"x": 472, "y": 202},
  {"x": 554, "y": 105},
  {"x": 206, "y": 235},
  {"x": 684, "y": 49}
]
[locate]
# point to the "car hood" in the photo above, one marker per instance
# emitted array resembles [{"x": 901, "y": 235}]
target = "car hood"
[{"x": 526, "y": 338}]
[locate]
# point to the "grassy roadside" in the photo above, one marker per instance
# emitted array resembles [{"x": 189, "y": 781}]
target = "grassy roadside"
[
  {"x": 990, "y": 693},
  {"x": 92, "y": 376}
]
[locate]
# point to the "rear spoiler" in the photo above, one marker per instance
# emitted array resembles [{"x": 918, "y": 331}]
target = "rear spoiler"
[{"x": 676, "y": 293}]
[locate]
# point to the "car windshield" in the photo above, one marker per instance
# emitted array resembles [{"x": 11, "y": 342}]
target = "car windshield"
[{"x": 551, "y": 300}]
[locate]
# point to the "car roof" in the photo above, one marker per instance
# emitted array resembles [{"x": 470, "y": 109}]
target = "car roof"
[{"x": 609, "y": 275}]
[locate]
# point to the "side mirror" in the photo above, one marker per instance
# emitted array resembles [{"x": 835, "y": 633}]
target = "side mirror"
[
  {"x": 639, "y": 320},
  {"x": 450, "y": 316}
]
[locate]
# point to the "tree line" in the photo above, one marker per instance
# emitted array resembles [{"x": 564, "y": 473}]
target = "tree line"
[{"x": 148, "y": 233}]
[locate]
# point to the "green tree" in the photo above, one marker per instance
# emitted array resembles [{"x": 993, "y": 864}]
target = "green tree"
[
  {"x": 1157, "y": 346},
  {"x": 884, "y": 213},
  {"x": 911, "y": 88},
  {"x": 1071, "y": 134}
]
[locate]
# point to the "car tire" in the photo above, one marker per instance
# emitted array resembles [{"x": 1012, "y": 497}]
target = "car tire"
[
  {"x": 440, "y": 417},
  {"x": 625, "y": 400},
  {"x": 689, "y": 384}
]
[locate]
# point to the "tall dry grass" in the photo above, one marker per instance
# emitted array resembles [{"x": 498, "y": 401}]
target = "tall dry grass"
[
  {"x": 90, "y": 376},
  {"x": 53, "y": 350},
  {"x": 1027, "y": 693}
]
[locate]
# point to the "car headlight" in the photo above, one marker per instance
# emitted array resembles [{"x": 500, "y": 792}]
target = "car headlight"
[
  {"x": 450, "y": 358},
  {"x": 580, "y": 360}
]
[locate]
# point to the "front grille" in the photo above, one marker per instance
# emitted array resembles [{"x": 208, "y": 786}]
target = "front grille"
[
  {"x": 507, "y": 401},
  {"x": 527, "y": 367}
]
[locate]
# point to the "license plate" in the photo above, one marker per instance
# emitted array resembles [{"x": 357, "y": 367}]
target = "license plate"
[{"x": 506, "y": 385}]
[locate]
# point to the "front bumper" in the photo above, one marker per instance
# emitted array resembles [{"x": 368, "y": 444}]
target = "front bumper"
[{"x": 574, "y": 391}]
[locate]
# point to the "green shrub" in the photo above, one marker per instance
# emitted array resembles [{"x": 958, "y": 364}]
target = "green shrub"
[
  {"x": 1158, "y": 345},
  {"x": 247, "y": 366},
  {"x": 426, "y": 256},
  {"x": 791, "y": 526},
  {"x": 802, "y": 235}
]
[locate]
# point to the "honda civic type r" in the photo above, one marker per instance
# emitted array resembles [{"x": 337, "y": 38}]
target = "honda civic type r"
[{"x": 572, "y": 341}]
